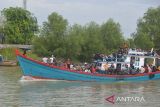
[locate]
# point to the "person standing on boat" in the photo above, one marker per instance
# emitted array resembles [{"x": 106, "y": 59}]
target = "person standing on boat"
[
  {"x": 93, "y": 69},
  {"x": 146, "y": 68},
  {"x": 71, "y": 66},
  {"x": 153, "y": 69},
  {"x": 126, "y": 69},
  {"x": 158, "y": 68},
  {"x": 106, "y": 67},
  {"x": 111, "y": 69},
  {"x": 45, "y": 59},
  {"x": 68, "y": 62},
  {"x": 142, "y": 69},
  {"x": 149, "y": 68},
  {"x": 52, "y": 59}
]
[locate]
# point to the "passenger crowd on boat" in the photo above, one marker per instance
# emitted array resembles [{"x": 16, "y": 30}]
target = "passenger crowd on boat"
[
  {"x": 68, "y": 64},
  {"x": 120, "y": 55},
  {"x": 93, "y": 68}
]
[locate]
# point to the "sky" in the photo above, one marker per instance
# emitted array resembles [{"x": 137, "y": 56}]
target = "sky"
[{"x": 125, "y": 12}]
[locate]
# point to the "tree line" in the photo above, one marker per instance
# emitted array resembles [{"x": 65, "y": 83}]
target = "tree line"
[
  {"x": 76, "y": 41},
  {"x": 58, "y": 37}
]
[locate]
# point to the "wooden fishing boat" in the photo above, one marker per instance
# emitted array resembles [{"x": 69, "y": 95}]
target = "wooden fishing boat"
[
  {"x": 8, "y": 63},
  {"x": 37, "y": 69}
]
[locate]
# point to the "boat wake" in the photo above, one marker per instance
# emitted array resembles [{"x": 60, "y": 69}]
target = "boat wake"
[{"x": 30, "y": 78}]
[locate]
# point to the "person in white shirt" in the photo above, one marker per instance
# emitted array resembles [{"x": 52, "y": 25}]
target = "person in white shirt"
[
  {"x": 45, "y": 59},
  {"x": 142, "y": 69},
  {"x": 52, "y": 58},
  {"x": 149, "y": 69},
  {"x": 71, "y": 66}
]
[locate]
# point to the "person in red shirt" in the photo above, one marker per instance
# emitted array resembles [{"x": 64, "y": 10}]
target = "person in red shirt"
[{"x": 93, "y": 69}]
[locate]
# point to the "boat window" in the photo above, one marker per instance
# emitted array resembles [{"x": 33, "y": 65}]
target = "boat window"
[
  {"x": 132, "y": 60},
  {"x": 137, "y": 63},
  {"x": 137, "y": 58},
  {"x": 157, "y": 62},
  {"x": 118, "y": 66},
  {"x": 148, "y": 61}
]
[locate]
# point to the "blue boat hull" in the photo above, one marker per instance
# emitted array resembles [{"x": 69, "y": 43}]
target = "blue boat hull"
[{"x": 41, "y": 70}]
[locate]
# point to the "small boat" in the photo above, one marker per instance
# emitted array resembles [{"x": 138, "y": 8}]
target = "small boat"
[
  {"x": 41, "y": 70},
  {"x": 7, "y": 62}
]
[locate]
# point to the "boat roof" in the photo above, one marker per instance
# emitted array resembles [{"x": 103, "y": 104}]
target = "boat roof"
[
  {"x": 141, "y": 53},
  {"x": 112, "y": 62},
  {"x": 143, "y": 56}
]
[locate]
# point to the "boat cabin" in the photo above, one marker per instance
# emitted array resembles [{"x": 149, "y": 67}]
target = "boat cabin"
[
  {"x": 135, "y": 59},
  {"x": 115, "y": 65}
]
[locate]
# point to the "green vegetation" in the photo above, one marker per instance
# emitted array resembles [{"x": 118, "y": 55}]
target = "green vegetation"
[
  {"x": 77, "y": 42},
  {"x": 32, "y": 55},
  {"x": 148, "y": 30},
  {"x": 9, "y": 54},
  {"x": 20, "y": 26}
]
